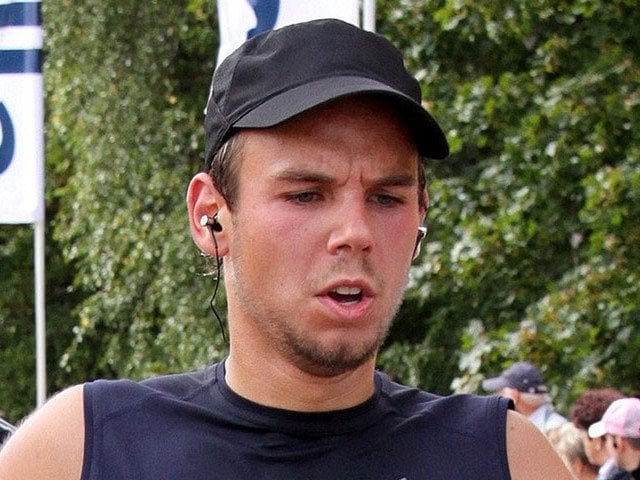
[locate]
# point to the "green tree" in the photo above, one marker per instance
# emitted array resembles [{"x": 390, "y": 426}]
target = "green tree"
[
  {"x": 126, "y": 87},
  {"x": 533, "y": 221}
]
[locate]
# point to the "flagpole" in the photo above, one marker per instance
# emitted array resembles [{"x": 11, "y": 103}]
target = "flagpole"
[
  {"x": 369, "y": 15},
  {"x": 41, "y": 337}
]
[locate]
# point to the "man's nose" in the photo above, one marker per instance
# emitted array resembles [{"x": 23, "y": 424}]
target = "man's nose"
[{"x": 352, "y": 229}]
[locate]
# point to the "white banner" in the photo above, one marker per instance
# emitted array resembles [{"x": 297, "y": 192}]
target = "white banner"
[
  {"x": 21, "y": 113},
  {"x": 242, "y": 19}
]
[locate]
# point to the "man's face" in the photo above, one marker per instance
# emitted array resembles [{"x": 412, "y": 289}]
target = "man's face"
[
  {"x": 322, "y": 235},
  {"x": 594, "y": 448},
  {"x": 625, "y": 456}
]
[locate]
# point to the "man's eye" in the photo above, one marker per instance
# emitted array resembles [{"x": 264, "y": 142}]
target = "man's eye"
[
  {"x": 304, "y": 197},
  {"x": 387, "y": 200}
]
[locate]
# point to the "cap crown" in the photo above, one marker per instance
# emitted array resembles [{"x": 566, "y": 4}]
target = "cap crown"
[
  {"x": 261, "y": 74},
  {"x": 524, "y": 377},
  {"x": 623, "y": 418}
]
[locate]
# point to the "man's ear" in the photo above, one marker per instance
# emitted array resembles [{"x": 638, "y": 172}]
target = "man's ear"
[
  {"x": 204, "y": 200},
  {"x": 425, "y": 202}
]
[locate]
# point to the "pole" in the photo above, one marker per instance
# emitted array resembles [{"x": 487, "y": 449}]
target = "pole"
[
  {"x": 369, "y": 15},
  {"x": 41, "y": 337}
]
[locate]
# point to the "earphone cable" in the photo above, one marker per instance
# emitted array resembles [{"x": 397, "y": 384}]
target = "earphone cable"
[{"x": 215, "y": 288}]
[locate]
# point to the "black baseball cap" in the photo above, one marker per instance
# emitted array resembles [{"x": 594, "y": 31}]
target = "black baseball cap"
[
  {"x": 281, "y": 73},
  {"x": 521, "y": 376}
]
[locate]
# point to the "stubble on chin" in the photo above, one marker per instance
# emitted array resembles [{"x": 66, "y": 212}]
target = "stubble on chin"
[{"x": 308, "y": 352}]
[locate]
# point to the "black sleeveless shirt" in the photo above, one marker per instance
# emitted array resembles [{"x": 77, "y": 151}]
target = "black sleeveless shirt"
[{"x": 193, "y": 427}]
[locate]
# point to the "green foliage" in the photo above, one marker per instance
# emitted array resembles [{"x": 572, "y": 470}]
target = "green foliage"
[
  {"x": 17, "y": 319},
  {"x": 126, "y": 84},
  {"x": 533, "y": 223}
]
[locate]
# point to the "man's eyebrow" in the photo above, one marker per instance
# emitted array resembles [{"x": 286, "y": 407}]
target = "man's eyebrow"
[
  {"x": 309, "y": 176},
  {"x": 397, "y": 180},
  {"x": 306, "y": 176}
]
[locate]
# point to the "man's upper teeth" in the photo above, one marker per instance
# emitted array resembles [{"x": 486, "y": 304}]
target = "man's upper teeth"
[{"x": 348, "y": 290}]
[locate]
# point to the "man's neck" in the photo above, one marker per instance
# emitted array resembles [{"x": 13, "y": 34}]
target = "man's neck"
[{"x": 278, "y": 383}]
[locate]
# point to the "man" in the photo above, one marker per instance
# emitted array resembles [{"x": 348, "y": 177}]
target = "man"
[
  {"x": 523, "y": 383},
  {"x": 620, "y": 424},
  {"x": 589, "y": 408},
  {"x": 313, "y": 195}
]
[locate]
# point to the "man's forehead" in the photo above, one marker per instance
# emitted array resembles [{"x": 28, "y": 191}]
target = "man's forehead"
[{"x": 295, "y": 156}]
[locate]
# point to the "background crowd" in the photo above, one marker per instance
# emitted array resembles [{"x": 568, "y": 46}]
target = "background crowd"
[{"x": 600, "y": 440}]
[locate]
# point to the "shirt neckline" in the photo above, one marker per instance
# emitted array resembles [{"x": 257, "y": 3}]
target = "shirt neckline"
[{"x": 251, "y": 413}]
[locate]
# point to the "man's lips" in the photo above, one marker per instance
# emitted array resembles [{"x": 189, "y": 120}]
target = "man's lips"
[{"x": 348, "y": 293}]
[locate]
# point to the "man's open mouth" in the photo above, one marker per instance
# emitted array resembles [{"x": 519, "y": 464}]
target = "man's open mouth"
[{"x": 346, "y": 295}]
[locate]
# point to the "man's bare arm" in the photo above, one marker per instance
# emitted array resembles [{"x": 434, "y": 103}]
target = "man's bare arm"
[
  {"x": 531, "y": 456},
  {"x": 50, "y": 443}
]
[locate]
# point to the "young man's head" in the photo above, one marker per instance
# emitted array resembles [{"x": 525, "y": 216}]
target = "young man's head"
[
  {"x": 315, "y": 135},
  {"x": 277, "y": 75},
  {"x": 620, "y": 425},
  {"x": 587, "y": 410},
  {"x": 522, "y": 382}
]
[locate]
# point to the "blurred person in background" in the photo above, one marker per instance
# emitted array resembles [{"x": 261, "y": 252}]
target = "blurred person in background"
[
  {"x": 567, "y": 441},
  {"x": 587, "y": 410},
  {"x": 523, "y": 383},
  {"x": 620, "y": 426}
]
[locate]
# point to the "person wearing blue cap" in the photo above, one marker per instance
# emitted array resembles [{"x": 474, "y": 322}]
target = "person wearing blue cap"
[
  {"x": 523, "y": 383},
  {"x": 313, "y": 195}
]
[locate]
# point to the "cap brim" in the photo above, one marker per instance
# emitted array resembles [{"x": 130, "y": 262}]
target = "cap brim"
[
  {"x": 597, "y": 430},
  {"x": 494, "y": 384},
  {"x": 430, "y": 138}
]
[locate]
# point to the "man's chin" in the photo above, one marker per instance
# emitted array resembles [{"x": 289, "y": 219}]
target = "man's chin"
[{"x": 324, "y": 361}]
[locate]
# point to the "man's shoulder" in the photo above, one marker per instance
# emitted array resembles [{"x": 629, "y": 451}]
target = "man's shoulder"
[
  {"x": 531, "y": 456},
  {"x": 402, "y": 394},
  {"x": 49, "y": 443},
  {"x": 109, "y": 396},
  {"x": 455, "y": 413}
]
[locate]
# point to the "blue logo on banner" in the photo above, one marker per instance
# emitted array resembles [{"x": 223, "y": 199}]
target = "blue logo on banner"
[
  {"x": 21, "y": 14},
  {"x": 7, "y": 147},
  {"x": 266, "y": 13}
]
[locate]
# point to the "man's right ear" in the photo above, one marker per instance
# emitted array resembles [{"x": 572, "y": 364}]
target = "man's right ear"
[{"x": 204, "y": 201}]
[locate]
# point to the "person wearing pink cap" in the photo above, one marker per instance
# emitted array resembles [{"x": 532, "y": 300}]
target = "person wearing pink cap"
[
  {"x": 587, "y": 410},
  {"x": 620, "y": 424}
]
